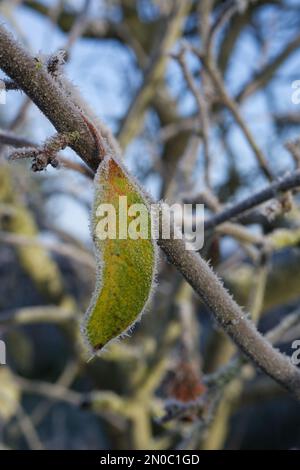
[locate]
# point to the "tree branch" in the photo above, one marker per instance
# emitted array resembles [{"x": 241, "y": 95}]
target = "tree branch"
[
  {"x": 66, "y": 118},
  {"x": 272, "y": 191},
  {"x": 37, "y": 83}
]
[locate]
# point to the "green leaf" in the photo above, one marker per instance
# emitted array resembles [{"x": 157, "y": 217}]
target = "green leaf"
[{"x": 125, "y": 267}]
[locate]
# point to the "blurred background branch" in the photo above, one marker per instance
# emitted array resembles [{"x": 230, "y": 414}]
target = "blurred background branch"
[{"x": 209, "y": 127}]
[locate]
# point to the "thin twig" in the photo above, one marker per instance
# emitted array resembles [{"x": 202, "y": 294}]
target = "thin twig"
[
  {"x": 228, "y": 10},
  {"x": 202, "y": 111},
  {"x": 78, "y": 27},
  {"x": 288, "y": 322},
  {"x": 58, "y": 108},
  {"x": 284, "y": 184},
  {"x": 64, "y": 115},
  {"x": 12, "y": 139},
  {"x": 217, "y": 79}
]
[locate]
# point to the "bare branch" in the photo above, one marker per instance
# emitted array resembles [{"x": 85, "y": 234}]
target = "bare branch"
[
  {"x": 232, "y": 106},
  {"x": 284, "y": 184},
  {"x": 231, "y": 317},
  {"x": 202, "y": 111},
  {"x": 64, "y": 115},
  {"x": 47, "y": 95}
]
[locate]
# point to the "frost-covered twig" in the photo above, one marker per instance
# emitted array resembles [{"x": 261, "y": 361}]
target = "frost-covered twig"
[
  {"x": 40, "y": 86},
  {"x": 67, "y": 118},
  {"x": 288, "y": 182},
  {"x": 47, "y": 154},
  {"x": 231, "y": 317}
]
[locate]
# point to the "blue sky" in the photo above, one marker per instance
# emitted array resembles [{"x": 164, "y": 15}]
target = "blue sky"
[{"x": 105, "y": 75}]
